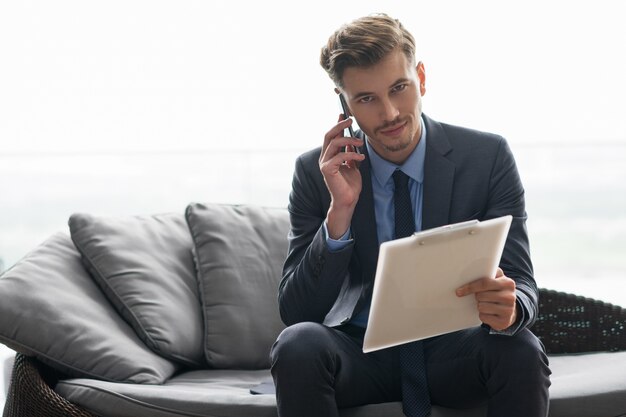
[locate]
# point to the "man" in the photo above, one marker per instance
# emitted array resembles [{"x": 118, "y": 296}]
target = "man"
[{"x": 343, "y": 205}]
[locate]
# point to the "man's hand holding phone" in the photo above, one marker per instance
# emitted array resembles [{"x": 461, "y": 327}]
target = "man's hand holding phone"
[{"x": 341, "y": 175}]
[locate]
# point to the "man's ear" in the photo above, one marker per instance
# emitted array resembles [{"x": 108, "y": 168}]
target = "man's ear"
[
  {"x": 337, "y": 90},
  {"x": 421, "y": 75}
]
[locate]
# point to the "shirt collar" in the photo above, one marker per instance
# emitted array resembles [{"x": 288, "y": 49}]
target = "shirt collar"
[{"x": 413, "y": 166}]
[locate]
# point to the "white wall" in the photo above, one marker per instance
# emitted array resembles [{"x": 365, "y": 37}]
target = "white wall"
[{"x": 157, "y": 75}]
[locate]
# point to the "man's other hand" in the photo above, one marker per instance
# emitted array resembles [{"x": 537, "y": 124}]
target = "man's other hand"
[{"x": 496, "y": 300}]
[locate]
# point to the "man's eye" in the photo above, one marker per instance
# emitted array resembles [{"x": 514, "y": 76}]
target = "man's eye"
[
  {"x": 399, "y": 87},
  {"x": 366, "y": 99}
]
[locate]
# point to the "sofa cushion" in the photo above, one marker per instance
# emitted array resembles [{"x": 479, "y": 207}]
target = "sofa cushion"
[
  {"x": 145, "y": 267},
  {"x": 207, "y": 393},
  {"x": 239, "y": 253},
  {"x": 587, "y": 385},
  {"x": 51, "y": 308}
]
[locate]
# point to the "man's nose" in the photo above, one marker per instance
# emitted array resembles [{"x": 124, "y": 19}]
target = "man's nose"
[{"x": 389, "y": 110}]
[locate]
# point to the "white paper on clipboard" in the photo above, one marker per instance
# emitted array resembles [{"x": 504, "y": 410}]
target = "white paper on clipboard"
[{"x": 416, "y": 277}]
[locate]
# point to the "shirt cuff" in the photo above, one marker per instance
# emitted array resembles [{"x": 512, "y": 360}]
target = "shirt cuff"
[{"x": 335, "y": 245}]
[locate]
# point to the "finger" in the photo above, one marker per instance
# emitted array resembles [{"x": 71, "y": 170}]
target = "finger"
[
  {"x": 497, "y": 316},
  {"x": 502, "y": 297},
  {"x": 494, "y": 309},
  {"x": 334, "y": 164},
  {"x": 488, "y": 287},
  {"x": 486, "y": 284},
  {"x": 495, "y": 322},
  {"x": 337, "y": 130},
  {"x": 337, "y": 145},
  {"x": 344, "y": 117},
  {"x": 473, "y": 287}
]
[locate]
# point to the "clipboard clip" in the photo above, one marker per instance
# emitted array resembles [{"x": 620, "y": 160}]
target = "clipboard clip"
[{"x": 455, "y": 226}]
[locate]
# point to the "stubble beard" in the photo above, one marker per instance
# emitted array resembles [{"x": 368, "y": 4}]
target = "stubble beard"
[{"x": 398, "y": 145}]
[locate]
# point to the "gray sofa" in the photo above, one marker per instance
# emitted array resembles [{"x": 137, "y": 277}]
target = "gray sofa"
[{"x": 174, "y": 315}]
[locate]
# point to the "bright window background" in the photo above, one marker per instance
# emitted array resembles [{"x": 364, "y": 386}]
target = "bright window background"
[{"x": 136, "y": 107}]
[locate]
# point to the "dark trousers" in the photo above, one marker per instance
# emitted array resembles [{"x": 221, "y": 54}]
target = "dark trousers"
[{"x": 317, "y": 370}]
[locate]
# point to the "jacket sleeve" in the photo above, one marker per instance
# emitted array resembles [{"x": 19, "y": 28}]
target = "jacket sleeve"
[
  {"x": 312, "y": 275},
  {"x": 506, "y": 196}
]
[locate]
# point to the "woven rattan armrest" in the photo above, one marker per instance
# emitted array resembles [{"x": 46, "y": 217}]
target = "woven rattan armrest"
[
  {"x": 30, "y": 393},
  {"x": 570, "y": 323}
]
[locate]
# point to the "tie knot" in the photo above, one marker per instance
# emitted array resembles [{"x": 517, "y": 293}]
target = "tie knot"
[{"x": 400, "y": 179}]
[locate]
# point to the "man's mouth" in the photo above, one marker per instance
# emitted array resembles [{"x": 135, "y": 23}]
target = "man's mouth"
[{"x": 394, "y": 130}]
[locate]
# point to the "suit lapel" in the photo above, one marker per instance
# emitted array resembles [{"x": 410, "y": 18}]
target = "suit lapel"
[{"x": 438, "y": 177}]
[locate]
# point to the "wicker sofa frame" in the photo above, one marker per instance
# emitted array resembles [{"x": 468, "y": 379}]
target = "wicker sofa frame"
[{"x": 567, "y": 324}]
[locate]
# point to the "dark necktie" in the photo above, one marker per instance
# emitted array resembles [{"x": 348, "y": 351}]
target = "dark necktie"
[{"x": 415, "y": 397}]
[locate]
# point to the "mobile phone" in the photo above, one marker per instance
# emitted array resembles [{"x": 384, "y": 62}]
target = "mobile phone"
[{"x": 344, "y": 108}]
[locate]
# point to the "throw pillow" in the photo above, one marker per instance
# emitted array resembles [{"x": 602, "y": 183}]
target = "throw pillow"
[
  {"x": 144, "y": 265},
  {"x": 52, "y": 309},
  {"x": 239, "y": 252}
]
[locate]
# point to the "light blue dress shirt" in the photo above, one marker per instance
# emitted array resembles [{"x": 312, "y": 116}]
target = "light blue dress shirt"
[{"x": 383, "y": 190}]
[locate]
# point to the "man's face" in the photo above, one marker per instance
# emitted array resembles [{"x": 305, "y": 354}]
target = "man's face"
[{"x": 386, "y": 101}]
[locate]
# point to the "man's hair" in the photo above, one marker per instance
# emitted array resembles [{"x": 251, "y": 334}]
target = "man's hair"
[{"x": 363, "y": 43}]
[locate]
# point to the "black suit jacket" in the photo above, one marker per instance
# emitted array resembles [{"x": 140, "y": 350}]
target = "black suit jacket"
[{"x": 467, "y": 175}]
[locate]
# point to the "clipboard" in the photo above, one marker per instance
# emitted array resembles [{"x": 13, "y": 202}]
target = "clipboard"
[{"x": 416, "y": 278}]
